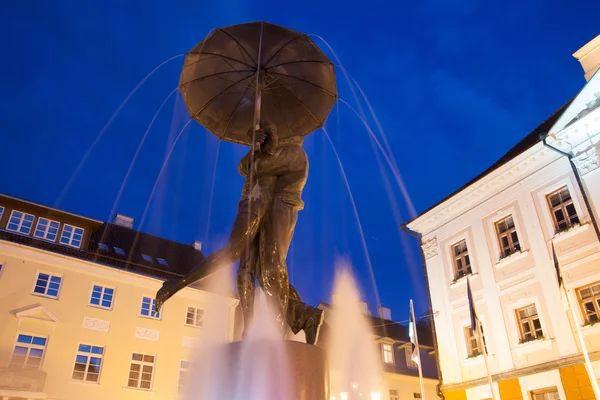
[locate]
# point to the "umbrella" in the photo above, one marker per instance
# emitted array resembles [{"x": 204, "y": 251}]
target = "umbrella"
[{"x": 241, "y": 74}]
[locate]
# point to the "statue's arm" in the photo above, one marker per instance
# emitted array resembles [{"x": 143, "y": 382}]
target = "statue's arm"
[{"x": 244, "y": 165}]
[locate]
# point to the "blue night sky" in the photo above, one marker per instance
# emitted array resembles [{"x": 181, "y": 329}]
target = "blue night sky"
[{"x": 454, "y": 85}]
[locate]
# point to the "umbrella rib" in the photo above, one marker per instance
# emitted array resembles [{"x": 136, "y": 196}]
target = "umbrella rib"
[
  {"x": 215, "y": 74},
  {"x": 234, "y": 110},
  {"x": 303, "y": 105},
  {"x": 281, "y": 48},
  {"x": 282, "y": 116},
  {"x": 299, "y": 62},
  {"x": 215, "y": 97},
  {"x": 305, "y": 81},
  {"x": 239, "y": 44},
  {"x": 221, "y": 56}
]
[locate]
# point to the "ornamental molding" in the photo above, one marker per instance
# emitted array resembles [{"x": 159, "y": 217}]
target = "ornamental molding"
[
  {"x": 94, "y": 324},
  {"x": 147, "y": 334},
  {"x": 586, "y": 160},
  {"x": 35, "y": 312},
  {"x": 430, "y": 248}
]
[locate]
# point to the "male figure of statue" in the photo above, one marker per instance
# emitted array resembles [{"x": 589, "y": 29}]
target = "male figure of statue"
[{"x": 262, "y": 232}]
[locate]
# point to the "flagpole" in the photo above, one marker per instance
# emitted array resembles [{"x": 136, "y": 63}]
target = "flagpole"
[{"x": 414, "y": 324}]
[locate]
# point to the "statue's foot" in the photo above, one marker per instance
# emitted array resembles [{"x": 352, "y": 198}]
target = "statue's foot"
[
  {"x": 312, "y": 326},
  {"x": 168, "y": 289}
]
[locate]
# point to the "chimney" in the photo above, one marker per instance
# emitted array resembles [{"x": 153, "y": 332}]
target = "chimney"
[
  {"x": 589, "y": 57},
  {"x": 197, "y": 245},
  {"x": 384, "y": 313},
  {"x": 123, "y": 220},
  {"x": 364, "y": 307}
]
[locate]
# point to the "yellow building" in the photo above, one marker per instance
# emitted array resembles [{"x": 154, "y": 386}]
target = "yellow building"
[{"x": 77, "y": 318}]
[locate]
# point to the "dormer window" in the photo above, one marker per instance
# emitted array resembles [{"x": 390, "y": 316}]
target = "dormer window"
[
  {"x": 20, "y": 222},
  {"x": 103, "y": 247},
  {"x": 71, "y": 236},
  {"x": 388, "y": 353},
  {"x": 47, "y": 229},
  {"x": 147, "y": 258},
  {"x": 119, "y": 251},
  {"x": 162, "y": 261}
]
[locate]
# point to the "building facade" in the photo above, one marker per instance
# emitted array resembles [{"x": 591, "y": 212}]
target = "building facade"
[
  {"x": 525, "y": 234},
  {"x": 77, "y": 316}
]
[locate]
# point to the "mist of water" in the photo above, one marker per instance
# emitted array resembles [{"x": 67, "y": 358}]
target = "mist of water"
[{"x": 355, "y": 364}]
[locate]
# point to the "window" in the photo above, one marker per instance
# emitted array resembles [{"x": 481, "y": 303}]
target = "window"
[
  {"x": 46, "y": 229},
  {"x": 102, "y": 296},
  {"x": 462, "y": 263},
  {"x": 388, "y": 353},
  {"x": 88, "y": 363},
  {"x": 29, "y": 351},
  {"x": 162, "y": 261},
  {"x": 47, "y": 285},
  {"x": 410, "y": 363},
  {"x": 529, "y": 324},
  {"x": 148, "y": 258},
  {"x": 194, "y": 317},
  {"x": 71, "y": 236},
  {"x": 119, "y": 251},
  {"x": 20, "y": 222},
  {"x": 545, "y": 394},
  {"x": 416, "y": 395},
  {"x": 507, "y": 237},
  {"x": 563, "y": 209},
  {"x": 394, "y": 394},
  {"x": 473, "y": 348},
  {"x": 149, "y": 308},
  {"x": 183, "y": 375},
  {"x": 103, "y": 247},
  {"x": 141, "y": 371},
  {"x": 1, "y": 270},
  {"x": 1, "y": 211},
  {"x": 589, "y": 299}
]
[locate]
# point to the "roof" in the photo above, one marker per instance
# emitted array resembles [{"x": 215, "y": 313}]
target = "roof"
[{"x": 526, "y": 143}]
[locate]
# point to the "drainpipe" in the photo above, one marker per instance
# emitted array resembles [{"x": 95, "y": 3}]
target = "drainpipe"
[
  {"x": 417, "y": 235},
  {"x": 579, "y": 183}
]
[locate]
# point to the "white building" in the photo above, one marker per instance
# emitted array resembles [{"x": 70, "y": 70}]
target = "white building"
[{"x": 498, "y": 231}]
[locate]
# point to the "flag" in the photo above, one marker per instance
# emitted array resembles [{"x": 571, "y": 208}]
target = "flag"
[
  {"x": 471, "y": 308},
  {"x": 412, "y": 333}
]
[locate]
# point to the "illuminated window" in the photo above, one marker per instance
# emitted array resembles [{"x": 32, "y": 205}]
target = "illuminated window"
[
  {"x": 103, "y": 247},
  {"x": 20, "y": 222},
  {"x": 184, "y": 370},
  {"x": 589, "y": 299},
  {"x": 29, "y": 351},
  {"x": 162, "y": 261},
  {"x": 473, "y": 348},
  {"x": 194, "y": 317},
  {"x": 141, "y": 371},
  {"x": 410, "y": 363},
  {"x": 507, "y": 237},
  {"x": 47, "y": 285},
  {"x": 88, "y": 363},
  {"x": 545, "y": 394},
  {"x": 119, "y": 251},
  {"x": 529, "y": 323},
  {"x": 148, "y": 258},
  {"x": 462, "y": 263},
  {"x": 388, "y": 353},
  {"x": 563, "y": 210},
  {"x": 149, "y": 308},
  {"x": 102, "y": 296},
  {"x": 46, "y": 229},
  {"x": 71, "y": 236}
]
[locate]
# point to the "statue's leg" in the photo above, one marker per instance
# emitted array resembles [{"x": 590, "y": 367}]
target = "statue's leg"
[
  {"x": 275, "y": 236},
  {"x": 246, "y": 277}
]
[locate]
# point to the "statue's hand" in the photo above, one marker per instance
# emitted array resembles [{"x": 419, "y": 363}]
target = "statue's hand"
[
  {"x": 259, "y": 136},
  {"x": 168, "y": 289}
]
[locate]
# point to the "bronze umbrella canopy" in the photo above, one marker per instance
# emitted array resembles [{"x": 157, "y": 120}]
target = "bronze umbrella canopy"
[{"x": 243, "y": 73}]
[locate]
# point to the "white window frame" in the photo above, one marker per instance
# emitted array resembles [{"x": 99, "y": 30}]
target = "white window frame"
[
  {"x": 29, "y": 347},
  {"x": 20, "y": 222},
  {"x": 183, "y": 370},
  {"x": 141, "y": 364},
  {"x": 104, "y": 287},
  {"x": 45, "y": 235},
  {"x": 196, "y": 309},
  {"x": 410, "y": 364},
  {"x": 50, "y": 275},
  {"x": 1, "y": 211},
  {"x": 392, "y": 361},
  {"x": 89, "y": 356},
  {"x": 70, "y": 243},
  {"x": 152, "y": 306}
]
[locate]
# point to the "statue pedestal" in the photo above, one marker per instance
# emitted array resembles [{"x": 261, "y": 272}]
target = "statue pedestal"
[{"x": 285, "y": 370}]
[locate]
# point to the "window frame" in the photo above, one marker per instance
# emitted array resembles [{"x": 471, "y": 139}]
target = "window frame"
[
  {"x": 454, "y": 258},
  {"x": 20, "y": 222},
  {"x": 89, "y": 355},
  {"x": 409, "y": 361},
  {"x": 45, "y": 236},
  {"x": 595, "y": 299},
  {"x": 390, "y": 352},
  {"x": 2, "y": 209},
  {"x": 185, "y": 372},
  {"x": 563, "y": 206},
  {"x": 112, "y": 302},
  {"x": 522, "y": 338},
  {"x": 141, "y": 363},
  {"x": 152, "y": 306},
  {"x": 50, "y": 275},
  {"x": 394, "y": 394},
  {"x": 468, "y": 337},
  {"x": 162, "y": 261},
  {"x": 29, "y": 347},
  {"x": 196, "y": 309},
  {"x": 513, "y": 248},
  {"x": 70, "y": 243},
  {"x": 553, "y": 389},
  {"x": 147, "y": 258}
]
